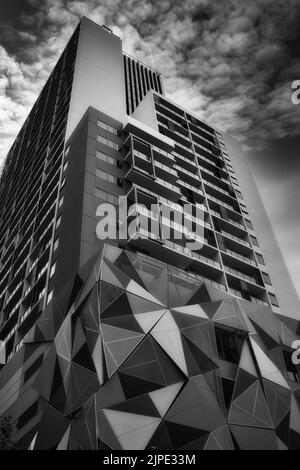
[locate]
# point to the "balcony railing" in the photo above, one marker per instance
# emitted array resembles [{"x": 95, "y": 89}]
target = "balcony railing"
[
  {"x": 233, "y": 222},
  {"x": 195, "y": 256},
  {"x": 219, "y": 201},
  {"x": 240, "y": 274},
  {"x": 236, "y": 239},
  {"x": 166, "y": 168},
  {"x": 241, "y": 257}
]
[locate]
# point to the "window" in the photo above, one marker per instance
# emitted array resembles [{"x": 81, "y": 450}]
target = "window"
[
  {"x": 249, "y": 224},
  {"x": 106, "y": 196},
  {"x": 49, "y": 298},
  {"x": 52, "y": 270},
  {"x": 42, "y": 293},
  {"x": 290, "y": 367},
  {"x": 61, "y": 201},
  {"x": 33, "y": 368},
  {"x": 58, "y": 222},
  {"x": 27, "y": 415},
  {"x": 254, "y": 240},
  {"x": 67, "y": 150},
  {"x": 106, "y": 158},
  {"x": 56, "y": 243},
  {"x": 171, "y": 126},
  {"x": 107, "y": 142},
  {"x": 267, "y": 278},
  {"x": 107, "y": 127},
  {"x": 260, "y": 259},
  {"x": 106, "y": 176},
  {"x": 66, "y": 165},
  {"x": 274, "y": 300},
  {"x": 229, "y": 345}
]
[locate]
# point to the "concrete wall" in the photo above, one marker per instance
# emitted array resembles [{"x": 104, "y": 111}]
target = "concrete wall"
[
  {"x": 275, "y": 266},
  {"x": 145, "y": 112},
  {"x": 98, "y": 75}
]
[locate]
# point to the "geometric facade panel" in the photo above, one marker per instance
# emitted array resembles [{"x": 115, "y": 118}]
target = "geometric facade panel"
[{"x": 144, "y": 361}]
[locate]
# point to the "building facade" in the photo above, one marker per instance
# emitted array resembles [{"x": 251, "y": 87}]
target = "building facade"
[{"x": 138, "y": 341}]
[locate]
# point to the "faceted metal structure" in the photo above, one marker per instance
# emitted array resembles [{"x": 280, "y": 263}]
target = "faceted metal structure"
[{"x": 135, "y": 365}]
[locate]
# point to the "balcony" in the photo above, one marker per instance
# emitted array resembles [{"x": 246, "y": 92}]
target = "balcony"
[
  {"x": 235, "y": 239},
  {"x": 177, "y": 116},
  {"x": 240, "y": 257},
  {"x": 224, "y": 204},
  {"x": 190, "y": 186},
  {"x": 179, "y": 128},
  {"x": 177, "y": 207},
  {"x": 229, "y": 221},
  {"x": 172, "y": 252},
  {"x": 192, "y": 178},
  {"x": 163, "y": 156},
  {"x": 166, "y": 172},
  {"x": 185, "y": 161},
  {"x": 235, "y": 277},
  {"x": 149, "y": 135},
  {"x": 141, "y": 169},
  {"x": 167, "y": 190}
]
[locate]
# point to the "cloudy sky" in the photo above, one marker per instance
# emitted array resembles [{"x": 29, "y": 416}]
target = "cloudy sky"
[{"x": 232, "y": 62}]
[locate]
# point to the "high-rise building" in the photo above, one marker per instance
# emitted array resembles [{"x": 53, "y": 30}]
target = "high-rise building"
[{"x": 138, "y": 341}]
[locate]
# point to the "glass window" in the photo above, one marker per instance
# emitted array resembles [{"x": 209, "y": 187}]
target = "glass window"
[
  {"x": 33, "y": 368},
  {"x": 274, "y": 300},
  {"x": 106, "y": 176},
  {"x": 107, "y": 142},
  {"x": 106, "y": 196},
  {"x": 267, "y": 278},
  {"x": 106, "y": 158},
  {"x": 107, "y": 127},
  {"x": 50, "y": 296},
  {"x": 28, "y": 415},
  {"x": 52, "y": 270},
  {"x": 229, "y": 345},
  {"x": 254, "y": 240},
  {"x": 56, "y": 243},
  {"x": 249, "y": 224},
  {"x": 260, "y": 259},
  {"x": 58, "y": 222}
]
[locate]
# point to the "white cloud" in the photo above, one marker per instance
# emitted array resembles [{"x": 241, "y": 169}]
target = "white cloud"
[{"x": 222, "y": 61}]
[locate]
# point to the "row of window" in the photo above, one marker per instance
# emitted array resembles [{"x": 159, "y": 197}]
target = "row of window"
[
  {"x": 106, "y": 176},
  {"x": 107, "y": 142},
  {"x": 107, "y": 159},
  {"x": 106, "y": 196},
  {"x": 230, "y": 346},
  {"x": 107, "y": 127}
]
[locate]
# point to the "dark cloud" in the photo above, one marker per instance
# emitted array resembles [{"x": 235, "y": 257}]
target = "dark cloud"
[{"x": 231, "y": 62}]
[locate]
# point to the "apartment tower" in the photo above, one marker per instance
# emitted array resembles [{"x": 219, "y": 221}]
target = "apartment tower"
[{"x": 138, "y": 342}]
